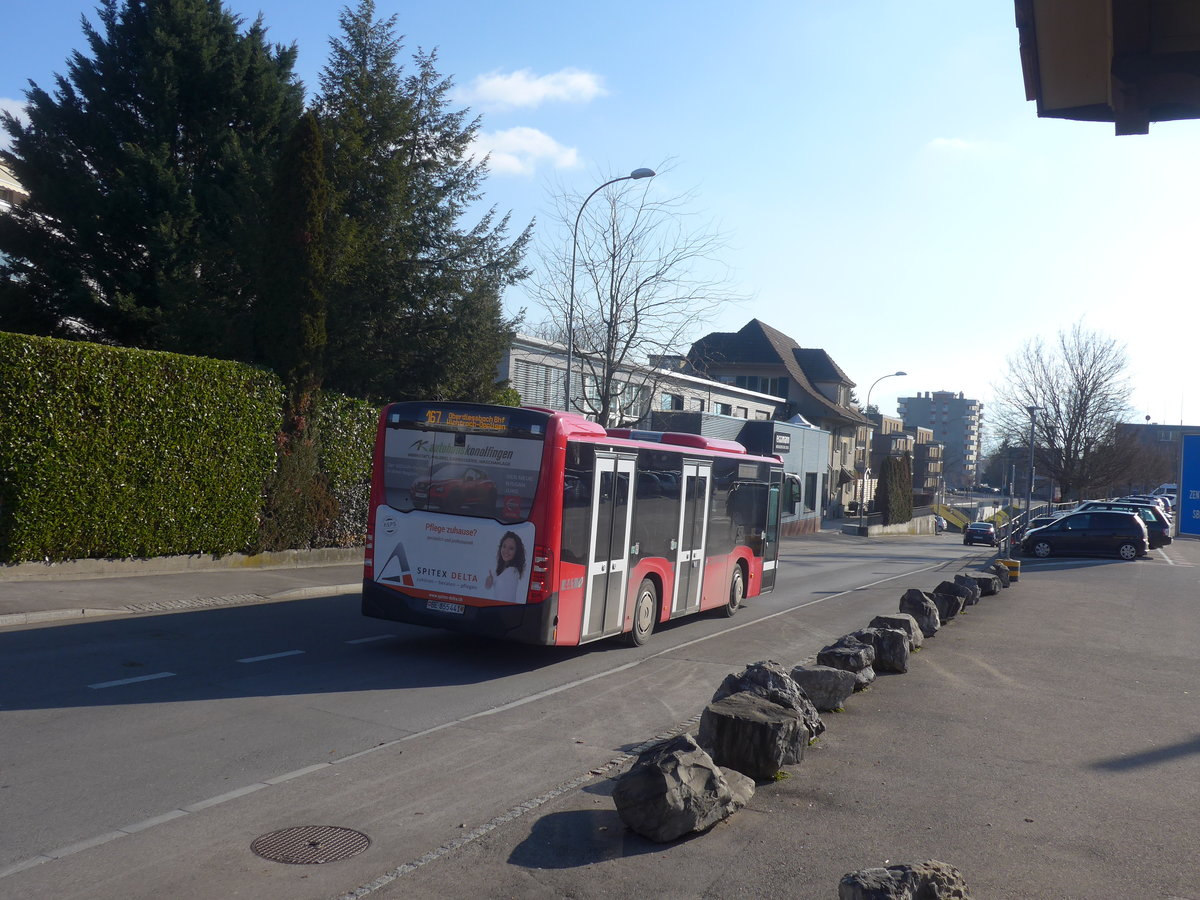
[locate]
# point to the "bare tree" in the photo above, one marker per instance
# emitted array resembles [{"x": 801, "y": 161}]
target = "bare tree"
[
  {"x": 643, "y": 284},
  {"x": 1081, "y": 390}
]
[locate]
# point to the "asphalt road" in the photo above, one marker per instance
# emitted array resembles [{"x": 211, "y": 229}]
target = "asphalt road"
[{"x": 304, "y": 713}]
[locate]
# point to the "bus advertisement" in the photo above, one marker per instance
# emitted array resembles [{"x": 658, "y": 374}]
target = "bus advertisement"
[{"x": 544, "y": 527}]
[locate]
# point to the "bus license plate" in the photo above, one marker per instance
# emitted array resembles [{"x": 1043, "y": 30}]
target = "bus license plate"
[{"x": 442, "y": 606}]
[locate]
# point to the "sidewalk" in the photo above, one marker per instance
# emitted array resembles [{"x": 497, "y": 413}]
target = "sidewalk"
[{"x": 37, "y": 593}]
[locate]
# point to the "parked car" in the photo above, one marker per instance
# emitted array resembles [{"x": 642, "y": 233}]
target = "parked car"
[
  {"x": 1090, "y": 533},
  {"x": 1039, "y": 521},
  {"x": 1158, "y": 523},
  {"x": 980, "y": 533}
]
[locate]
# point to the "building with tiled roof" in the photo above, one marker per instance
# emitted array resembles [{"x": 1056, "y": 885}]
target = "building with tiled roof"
[{"x": 761, "y": 358}]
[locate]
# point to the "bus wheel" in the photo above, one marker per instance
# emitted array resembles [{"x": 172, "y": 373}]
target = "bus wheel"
[
  {"x": 645, "y": 609},
  {"x": 737, "y": 592}
]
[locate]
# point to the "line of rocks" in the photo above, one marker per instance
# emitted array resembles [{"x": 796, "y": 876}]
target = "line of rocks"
[{"x": 764, "y": 717}]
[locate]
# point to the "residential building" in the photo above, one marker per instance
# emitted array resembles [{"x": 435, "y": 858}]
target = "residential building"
[
  {"x": 810, "y": 384},
  {"x": 537, "y": 370},
  {"x": 11, "y": 191},
  {"x": 957, "y": 424}
]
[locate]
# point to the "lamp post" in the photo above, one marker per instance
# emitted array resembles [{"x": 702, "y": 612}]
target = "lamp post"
[
  {"x": 862, "y": 501},
  {"x": 1033, "y": 411},
  {"x": 634, "y": 175}
]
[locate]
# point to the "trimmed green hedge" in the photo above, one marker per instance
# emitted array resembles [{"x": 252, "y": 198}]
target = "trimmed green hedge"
[
  {"x": 346, "y": 430},
  {"x": 110, "y": 452}
]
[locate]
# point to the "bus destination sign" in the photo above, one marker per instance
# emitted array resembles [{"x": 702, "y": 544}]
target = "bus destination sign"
[{"x": 448, "y": 418}]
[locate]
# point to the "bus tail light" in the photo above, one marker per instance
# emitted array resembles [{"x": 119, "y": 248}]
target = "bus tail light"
[{"x": 539, "y": 574}]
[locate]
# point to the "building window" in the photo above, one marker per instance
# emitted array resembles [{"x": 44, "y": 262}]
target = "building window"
[
  {"x": 724, "y": 409},
  {"x": 761, "y": 414},
  {"x": 538, "y": 385},
  {"x": 741, "y": 412},
  {"x": 672, "y": 401},
  {"x": 699, "y": 405},
  {"x": 810, "y": 491}
]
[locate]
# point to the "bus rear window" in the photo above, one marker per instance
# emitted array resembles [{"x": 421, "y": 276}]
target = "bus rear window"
[{"x": 493, "y": 474}]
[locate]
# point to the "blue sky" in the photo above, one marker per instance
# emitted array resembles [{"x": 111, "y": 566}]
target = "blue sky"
[{"x": 887, "y": 192}]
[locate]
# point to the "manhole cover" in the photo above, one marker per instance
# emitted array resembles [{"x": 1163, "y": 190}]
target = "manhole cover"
[{"x": 311, "y": 845}]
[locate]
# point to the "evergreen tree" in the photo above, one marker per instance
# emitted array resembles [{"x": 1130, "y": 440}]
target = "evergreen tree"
[
  {"x": 414, "y": 296},
  {"x": 291, "y": 319},
  {"x": 148, "y": 171}
]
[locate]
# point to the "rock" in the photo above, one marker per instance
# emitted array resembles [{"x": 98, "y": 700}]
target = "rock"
[
  {"x": 1001, "y": 571},
  {"x": 948, "y": 605},
  {"x": 771, "y": 680},
  {"x": 827, "y": 687},
  {"x": 973, "y": 591},
  {"x": 958, "y": 589},
  {"x": 850, "y": 654},
  {"x": 921, "y": 607},
  {"x": 749, "y": 733},
  {"x": 676, "y": 789},
  {"x": 891, "y": 648},
  {"x": 931, "y": 880},
  {"x": 901, "y": 622},
  {"x": 987, "y": 583}
]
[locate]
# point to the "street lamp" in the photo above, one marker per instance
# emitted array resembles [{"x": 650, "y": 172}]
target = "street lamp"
[
  {"x": 1033, "y": 411},
  {"x": 867, "y": 452},
  {"x": 634, "y": 175}
]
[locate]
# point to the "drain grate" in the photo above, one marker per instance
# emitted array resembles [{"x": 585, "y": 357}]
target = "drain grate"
[{"x": 310, "y": 845}]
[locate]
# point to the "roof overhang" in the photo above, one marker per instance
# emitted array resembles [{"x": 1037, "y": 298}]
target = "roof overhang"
[{"x": 1129, "y": 62}]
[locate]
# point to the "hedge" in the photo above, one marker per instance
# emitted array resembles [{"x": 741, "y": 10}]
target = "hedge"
[{"x": 112, "y": 452}]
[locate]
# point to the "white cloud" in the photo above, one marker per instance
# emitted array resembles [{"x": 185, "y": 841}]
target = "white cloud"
[
  {"x": 524, "y": 89},
  {"x": 518, "y": 151}
]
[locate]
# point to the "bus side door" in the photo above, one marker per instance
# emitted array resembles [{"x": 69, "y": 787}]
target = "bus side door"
[
  {"x": 694, "y": 498},
  {"x": 608, "y": 561}
]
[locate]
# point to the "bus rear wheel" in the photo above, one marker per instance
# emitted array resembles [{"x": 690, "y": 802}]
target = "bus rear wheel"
[
  {"x": 737, "y": 592},
  {"x": 645, "y": 611}
]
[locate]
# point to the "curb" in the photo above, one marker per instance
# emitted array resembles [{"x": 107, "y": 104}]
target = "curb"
[
  {"x": 173, "y": 565},
  {"x": 55, "y": 615}
]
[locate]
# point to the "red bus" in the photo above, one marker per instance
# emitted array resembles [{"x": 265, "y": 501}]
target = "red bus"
[{"x": 544, "y": 527}]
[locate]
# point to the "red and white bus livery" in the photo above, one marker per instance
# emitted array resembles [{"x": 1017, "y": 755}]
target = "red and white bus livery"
[{"x": 544, "y": 527}]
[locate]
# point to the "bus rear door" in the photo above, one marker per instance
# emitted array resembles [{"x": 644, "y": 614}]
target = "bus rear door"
[{"x": 695, "y": 496}]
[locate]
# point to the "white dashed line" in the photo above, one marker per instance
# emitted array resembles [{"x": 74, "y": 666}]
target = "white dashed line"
[
  {"x": 119, "y": 682},
  {"x": 254, "y": 659}
]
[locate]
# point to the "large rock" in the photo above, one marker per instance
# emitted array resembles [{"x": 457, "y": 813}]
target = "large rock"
[
  {"x": 948, "y": 605},
  {"x": 931, "y": 880},
  {"x": 676, "y": 789},
  {"x": 987, "y": 583},
  {"x": 891, "y": 648},
  {"x": 957, "y": 588},
  {"x": 749, "y": 733},
  {"x": 772, "y": 681},
  {"x": 1001, "y": 571},
  {"x": 901, "y": 622},
  {"x": 973, "y": 591},
  {"x": 828, "y": 688},
  {"x": 851, "y": 655},
  {"x": 921, "y": 607}
]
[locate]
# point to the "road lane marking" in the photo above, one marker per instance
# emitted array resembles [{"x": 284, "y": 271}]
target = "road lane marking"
[
  {"x": 254, "y": 659},
  {"x": 121, "y": 681},
  {"x": 367, "y": 640}
]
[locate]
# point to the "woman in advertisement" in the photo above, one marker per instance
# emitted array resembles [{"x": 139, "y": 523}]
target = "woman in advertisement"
[{"x": 510, "y": 566}]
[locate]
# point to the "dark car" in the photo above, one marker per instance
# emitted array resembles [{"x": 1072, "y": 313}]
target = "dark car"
[
  {"x": 1158, "y": 523},
  {"x": 456, "y": 488},
  {"x": 980, "y": 533},
  {"x": 1090, "y": 533}
]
